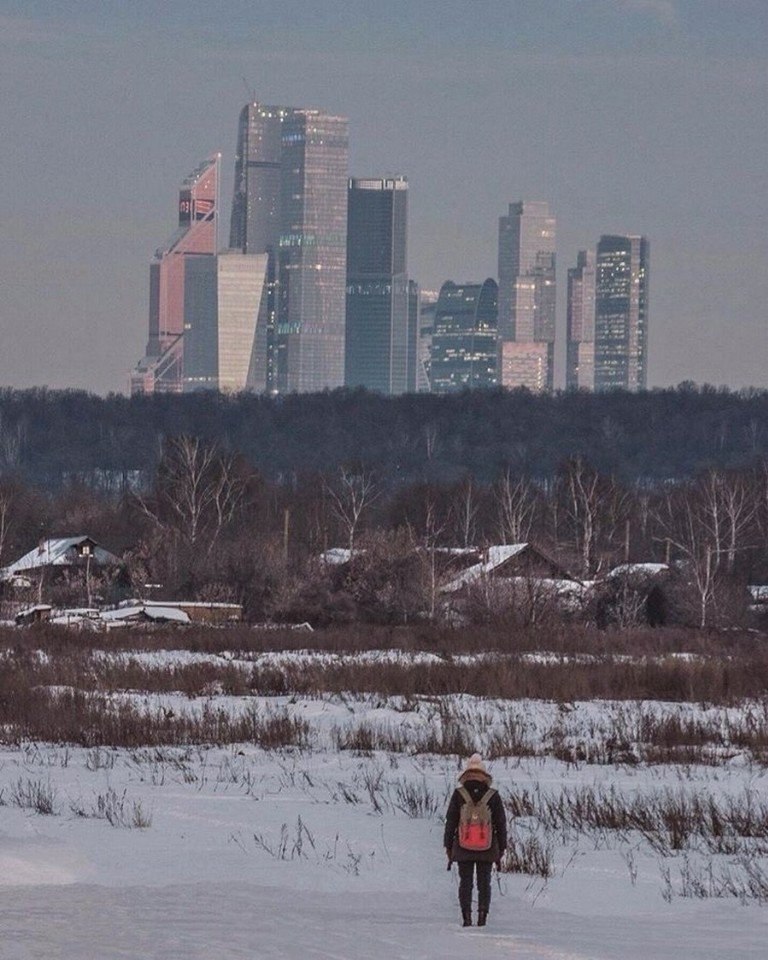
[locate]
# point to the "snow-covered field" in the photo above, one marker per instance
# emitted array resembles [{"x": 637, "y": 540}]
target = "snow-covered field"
[{"x": 326, "y": 853}]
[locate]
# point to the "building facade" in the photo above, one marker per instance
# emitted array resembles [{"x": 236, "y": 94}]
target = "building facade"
[
  {"x": 312, "y": 267},
  {"x": 621, "y": 312},
  {"x": 426, "y": 327},
  {"x": 162, "y": 368},
  {"x": 377, "y": 307},
  {"x": 464, "y": 353},
  {"x": 256, "y": 222},
  {"x": 223, "y": 299},
  {"x": 527, "y": 296},
  {"x": 580, "y": 358}
]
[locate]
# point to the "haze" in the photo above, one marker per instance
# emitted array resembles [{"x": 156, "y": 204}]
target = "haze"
[{"x": 641, "y": 116}]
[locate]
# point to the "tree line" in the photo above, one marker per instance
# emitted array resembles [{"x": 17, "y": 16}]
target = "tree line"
[{"x": 54, "y": 439}]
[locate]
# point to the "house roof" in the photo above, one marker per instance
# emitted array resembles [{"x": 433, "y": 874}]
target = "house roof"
[
  {"x": 638, "y": 570},
  {"x": 496, "y": 556},
  {"x": 57, "y": 553},
  {"x": 145, "y": 611}
]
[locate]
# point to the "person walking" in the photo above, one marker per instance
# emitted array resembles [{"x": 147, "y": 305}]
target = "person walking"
[{"x": 475, "y": 836}]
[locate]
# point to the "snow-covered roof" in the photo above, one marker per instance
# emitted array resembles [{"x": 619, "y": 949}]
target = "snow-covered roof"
[
  {"x": 143, "y": 610},
  {"x": 638, "y": 570},
  {"x": 177, "y": 604},
  {"x": 496, "y": 556},
  {"x": 58, "y": 553},
  {"x": 336, "y": 556}
]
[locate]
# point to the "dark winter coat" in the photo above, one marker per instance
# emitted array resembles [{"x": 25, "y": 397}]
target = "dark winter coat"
[{"x": 476, "y": 789}]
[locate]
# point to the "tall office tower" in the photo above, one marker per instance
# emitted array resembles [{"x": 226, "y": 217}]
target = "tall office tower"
[
  {"x": 621, "y": 313},
  {"x": 162, "y": 368},
  {"x": 426, "y": 319},
  {"x": 256, "y": 218},
  {"x": 377, "y": 285},
  {"x": 312, "y": 271},
  {"x": 464, "y": 337},
  {"x": 580, "y": 360},
  {"x": 527, "y": 296},
  {"x": 222, "y": 297},
  {"x": 414, "y": 317}
]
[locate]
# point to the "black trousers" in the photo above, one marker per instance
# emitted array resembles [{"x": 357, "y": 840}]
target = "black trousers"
[{"x": 466, "y": 876}]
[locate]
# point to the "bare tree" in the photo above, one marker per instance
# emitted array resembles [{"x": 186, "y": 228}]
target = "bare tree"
[
  {"x": 6, "y": 506},
  {"x": 198, "y": 491},
  {"x": 685, "y": 517},
  {"x": 350, "y": 497},
  {"x": 464, "y": 513},
  {"x": 581, "y": 487},
  {"x": 516, "y": 504}
]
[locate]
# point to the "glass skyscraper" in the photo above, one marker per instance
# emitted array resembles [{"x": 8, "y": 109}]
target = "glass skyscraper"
[
  {"x": 222, "y": 299},
  {"x": 621, "y": 312},
  {"x": 527, "y": 296},
  {"x": 464, "y": 337},
  {"x": 290, "y": 202},
  {"x": 378, "y": 322},
  {"x": 580, "y": 359},
  {"x": 162, "y": 368}
]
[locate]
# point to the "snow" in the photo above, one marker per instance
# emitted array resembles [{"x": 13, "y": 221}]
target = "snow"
[
  {"x": 311, "y": 853},
  {"x": 196, "y": 884},
  {"x": 154, "y": 612},
  {"x": 638, "y": 569}
]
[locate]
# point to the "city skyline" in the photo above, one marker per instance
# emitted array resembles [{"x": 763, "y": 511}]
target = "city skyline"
[{"x": 675, "y": 151}]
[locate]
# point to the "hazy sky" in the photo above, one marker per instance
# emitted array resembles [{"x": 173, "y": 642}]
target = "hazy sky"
[{"x": 629, "y": 116}]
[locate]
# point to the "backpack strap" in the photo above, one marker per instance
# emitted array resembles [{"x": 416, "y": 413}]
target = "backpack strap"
[
  {"x": 465, "y": 795},
  {"x": 486, "y": 797}
]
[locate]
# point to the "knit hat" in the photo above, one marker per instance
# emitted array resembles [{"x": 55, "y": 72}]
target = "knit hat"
[{"x": 475, "y": 769}]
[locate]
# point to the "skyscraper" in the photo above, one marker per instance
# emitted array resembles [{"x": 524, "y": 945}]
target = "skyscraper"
[
  {"x": 222, "y": 299},
  {"x": 162, "y": 368},
  {"x": 464, "y": 337},
  {"x": 414, "y": 319},
  {"x": 621, "y": 313},
  {"x": 312, "y": 270},
  {"x": 426, "y": 328},
  {"x": 256, "y": 218},
  {"x": 290, "y": 202},
  {"x": 377, "y": 310},
  {"x": 527, "y": 296},
  {"x": 580, "y": 360}
]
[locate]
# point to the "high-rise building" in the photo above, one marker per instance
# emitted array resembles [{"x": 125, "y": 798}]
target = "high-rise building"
[
  {"x": 162, "y": 368},
  {"x": 312, "y": 270},
  {"x": 222, "y": 299},
  {"x": 290, "y": 202},
  {"x": 527, "y": 296},
  {"x": 580, "y": 359},
  {"x": 464, "y": 337},
  {"x": 377, "y": 310},
  {"x": 414, "y": 318},
  {"x": 621, "y": 313},
  {"x": 426, "y": 328},
  {"x": 256, "y": 218}
]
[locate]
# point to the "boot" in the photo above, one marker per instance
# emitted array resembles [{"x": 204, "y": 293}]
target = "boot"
[
  {"x": 482, "y": 916},
  {"x": 466, "y": 918}
]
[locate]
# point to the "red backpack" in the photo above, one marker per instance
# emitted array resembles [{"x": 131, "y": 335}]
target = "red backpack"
[{"x": 475, "y": 822}]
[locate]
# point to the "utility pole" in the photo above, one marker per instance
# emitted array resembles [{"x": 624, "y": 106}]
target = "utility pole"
[{"x": 286, "y": 530}]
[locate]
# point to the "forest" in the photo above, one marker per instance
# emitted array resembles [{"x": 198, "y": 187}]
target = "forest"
[{"x": 52, "y": 439}]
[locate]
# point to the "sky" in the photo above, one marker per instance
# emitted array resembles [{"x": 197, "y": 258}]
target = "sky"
[{"x": 628, "y": 116}]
